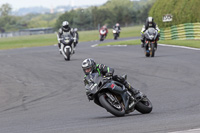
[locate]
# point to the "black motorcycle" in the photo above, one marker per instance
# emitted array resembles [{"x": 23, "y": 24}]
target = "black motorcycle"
[
  {"x": 151, "y": 38},
  {"x": 113, "y": 96}
]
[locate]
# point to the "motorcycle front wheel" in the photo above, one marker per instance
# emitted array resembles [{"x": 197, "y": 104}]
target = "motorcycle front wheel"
[
  {"x": 67, "y": 53},
  {"x": 144, "y": 106},
  {"x": 152, "y": 52},
  {"x": 115, "y": 36},
  {"x": 101, "y": 37},
  {"x": 114, "y": 108}
]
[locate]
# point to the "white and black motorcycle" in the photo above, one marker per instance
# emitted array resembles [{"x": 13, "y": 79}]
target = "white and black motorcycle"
[
  {"x": 66, "y": 46},
  {"x": 116, "y": 33}
]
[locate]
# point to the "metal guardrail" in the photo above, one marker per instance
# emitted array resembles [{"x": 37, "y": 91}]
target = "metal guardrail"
[
  {"x": 181, "y": 32},
  {"x": 24, "y": 32}
]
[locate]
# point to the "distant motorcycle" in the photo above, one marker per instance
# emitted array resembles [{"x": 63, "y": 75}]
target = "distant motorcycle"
[
  {"x": 151, "y": 38},
  {"x": 102, "y": 33},
  {"x": 66, "y": 46},
  {"x": 76, "y": 36},
  {"x": 116, "y": 32},
  {"x": 113, "y": 96}
]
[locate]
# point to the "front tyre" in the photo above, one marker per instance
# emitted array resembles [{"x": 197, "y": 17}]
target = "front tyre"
[
  {"x": 115, "y": 36},
  {"x": 144, "y": 106},
  {"x": 67, "y": 53},
  {"x": 101, "y": 38},
  {"x": 114, "y": 108},
  {"x": 152, "y": 52}
]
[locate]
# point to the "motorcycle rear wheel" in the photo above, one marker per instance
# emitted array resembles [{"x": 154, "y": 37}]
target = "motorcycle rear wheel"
[{"x": 103, "y": 99}]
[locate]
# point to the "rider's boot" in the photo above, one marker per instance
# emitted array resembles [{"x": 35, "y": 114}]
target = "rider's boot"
[
  {"x": 136, "y": 93},
  {"x": 142, "y": 45}
]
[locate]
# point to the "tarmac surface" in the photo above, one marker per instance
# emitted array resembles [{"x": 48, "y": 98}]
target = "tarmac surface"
[{"x": 40, "y": 92}]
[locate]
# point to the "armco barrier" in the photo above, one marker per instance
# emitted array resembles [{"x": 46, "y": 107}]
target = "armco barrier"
[{"x": 181, "y": 32}]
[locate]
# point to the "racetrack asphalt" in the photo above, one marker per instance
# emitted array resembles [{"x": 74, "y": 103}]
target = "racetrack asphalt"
[{"x": 40, "y": 92}]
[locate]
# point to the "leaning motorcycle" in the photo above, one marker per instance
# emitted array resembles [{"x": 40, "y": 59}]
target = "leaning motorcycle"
[
  {"x": 113, "y": 96},
  {"x": 116, "y": 33},
  {"x": 151, "y": 38},
  {"x": 66, "y": 46},
  {"x": 102, "y": 35}
]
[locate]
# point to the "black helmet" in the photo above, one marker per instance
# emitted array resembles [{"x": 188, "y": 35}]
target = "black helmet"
[
  {"x": 149, "y": 21},
  {"x": 88, "y": 66},
  {"x": 65, "y": 26}
]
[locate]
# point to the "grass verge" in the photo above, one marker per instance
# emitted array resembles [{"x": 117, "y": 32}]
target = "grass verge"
[
  {"x": 50, "y": 39},
  {"x": 187, "y": 43}
]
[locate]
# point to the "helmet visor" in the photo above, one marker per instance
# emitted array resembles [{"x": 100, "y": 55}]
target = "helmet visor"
[{"x": 87, "y": 70}]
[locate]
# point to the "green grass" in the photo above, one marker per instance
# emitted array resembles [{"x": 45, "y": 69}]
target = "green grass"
[
  {"x": 187, "y": 43},
  {"x": 125, "y": 32},
  {"x": 50, "y": 39},
  {"x": 27, "y": 41}
]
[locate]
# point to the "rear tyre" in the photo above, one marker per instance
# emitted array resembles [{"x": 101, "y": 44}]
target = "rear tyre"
[
  {"x": 104, "y": 100},
  {"x": 144, "y": 106}
]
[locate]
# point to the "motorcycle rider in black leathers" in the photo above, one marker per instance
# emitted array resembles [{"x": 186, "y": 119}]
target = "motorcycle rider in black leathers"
[
  {"x": 89, "y": 66},
  {"x": 65, "y": 29},
  {"x": 149, "y": 24}
]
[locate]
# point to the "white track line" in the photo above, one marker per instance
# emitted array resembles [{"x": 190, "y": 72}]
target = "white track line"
[
  {"x": 188, "y": 131},
  {"x": 94, "y": 45},
  {"x": 179, "y": 46},
  {"x": 116, "y": 45}
]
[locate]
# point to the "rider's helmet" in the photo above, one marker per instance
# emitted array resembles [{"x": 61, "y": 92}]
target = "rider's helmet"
[
  {"x": 149, "y": 21},
  {"x": 117, "y": 24},
  {"x": 65, "y": 26},
  {"x": 104, "y": 27},
  {"x": 75, "y": 29},
  {"x": 88, "y": 66}
]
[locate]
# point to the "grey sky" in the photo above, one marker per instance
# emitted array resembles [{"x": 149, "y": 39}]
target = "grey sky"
[{"x": 16, "y": 4}]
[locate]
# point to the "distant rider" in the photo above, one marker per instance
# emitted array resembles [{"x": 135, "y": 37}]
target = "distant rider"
[
  {"x": 149, "y": 24},
  {"x": 117, "y": 27},
  {"x": 89, "y": 66},
  {"x": 76, "y": 35},
  {"x": 65, "y": 30},
  {"x": 104, "y": 28}
]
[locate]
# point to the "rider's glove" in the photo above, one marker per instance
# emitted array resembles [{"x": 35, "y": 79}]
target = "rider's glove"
[
  {"x": 89, "y": 98},
  {"x": 109, "y": 75}
]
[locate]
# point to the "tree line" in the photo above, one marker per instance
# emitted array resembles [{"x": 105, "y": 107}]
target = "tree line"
[
  {"x": 182, "y": 11},
  {"x": 125, "y": 12}
]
